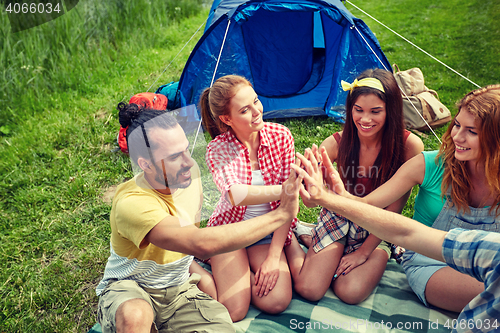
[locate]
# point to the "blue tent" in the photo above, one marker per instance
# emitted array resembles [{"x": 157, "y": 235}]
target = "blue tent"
[{"x": 295, "y": 52}]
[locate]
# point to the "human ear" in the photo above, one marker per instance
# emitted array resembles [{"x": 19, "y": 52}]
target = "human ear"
[
  {"x": 144, "y": 164},
  {"x": 225, "y": 119}
]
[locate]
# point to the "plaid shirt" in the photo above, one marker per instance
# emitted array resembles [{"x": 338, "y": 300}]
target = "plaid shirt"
[
  {"x": 477, "y": 253},
  {"x": 229, "y": 164},
  {"x": 332, "y": 227}
]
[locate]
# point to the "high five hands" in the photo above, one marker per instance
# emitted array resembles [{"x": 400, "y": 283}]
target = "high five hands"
[
  {"x": 319, "y": 174},
  {"x": 312, "y": 176}
]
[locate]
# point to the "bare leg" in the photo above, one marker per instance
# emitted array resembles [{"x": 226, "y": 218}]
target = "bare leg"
[
  {"x": 135, "y": 315},
  {"x": 281, "y": 295},
  {"x": 313, "y": 272},
  {"x": 231, "y": 272},
  {"x": 451, "y": 290},
  {"x": 306, "y": 240},
  {"x": 207, "y": 283},
  {"x": 295, "y": 256},
  {"x": 359, "y": 283},
  {"x": 303, "y": 232}
]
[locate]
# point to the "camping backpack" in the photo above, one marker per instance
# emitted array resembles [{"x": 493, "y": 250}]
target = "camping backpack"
[
  {"x": 147, "y": 100},
  {"x": 171, "y": 91},
  {"x": 424, "y": 99}
]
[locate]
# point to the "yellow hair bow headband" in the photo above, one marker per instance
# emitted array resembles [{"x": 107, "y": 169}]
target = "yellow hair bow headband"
[{"x": 367, "y": 82}]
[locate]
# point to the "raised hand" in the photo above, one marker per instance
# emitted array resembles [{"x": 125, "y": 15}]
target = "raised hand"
[
  {"x": 289, "y": 201},
  {"x": 331, "y": 175},
  {"x": 313, "y": 178},
  {"x": 317, "y": 154}
]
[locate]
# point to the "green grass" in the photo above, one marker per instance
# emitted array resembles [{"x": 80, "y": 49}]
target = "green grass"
[
  {"x": 464, "y": 35},
  {"x": 57, "y": 160},
  {"x": 60, "y": 84}
]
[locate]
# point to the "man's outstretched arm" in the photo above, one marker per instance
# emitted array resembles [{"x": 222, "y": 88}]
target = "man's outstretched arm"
[{"x": 207, "y": 242}]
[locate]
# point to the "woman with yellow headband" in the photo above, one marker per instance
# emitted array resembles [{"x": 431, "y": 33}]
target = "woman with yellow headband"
[
  {"x": 459, "y": 187},
  {"x": 369, "y": 150}
]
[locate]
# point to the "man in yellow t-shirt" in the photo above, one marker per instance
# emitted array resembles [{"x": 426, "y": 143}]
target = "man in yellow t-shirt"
[{"x": 150, "y": 279}]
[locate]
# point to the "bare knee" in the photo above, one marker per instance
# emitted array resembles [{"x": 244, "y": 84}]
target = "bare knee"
[
  {"x": 353, "y": 299},
  {"x": 351, "y": 293},
  {"x": 275, "y": 305},
  {"x": 237, "y": 311},
  {"x": 309, "y": 291},
  {"x": 134, "y": 315}
]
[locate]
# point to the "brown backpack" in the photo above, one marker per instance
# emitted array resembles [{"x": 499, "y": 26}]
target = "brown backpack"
[{"x": 425, "y": 100}]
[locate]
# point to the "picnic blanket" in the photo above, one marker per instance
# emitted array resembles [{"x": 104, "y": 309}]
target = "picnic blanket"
[{"x": 392, "y": 307}]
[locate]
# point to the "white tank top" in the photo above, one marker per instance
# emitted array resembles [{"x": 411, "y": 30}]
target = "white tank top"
[{"x": 261, "y": 209}]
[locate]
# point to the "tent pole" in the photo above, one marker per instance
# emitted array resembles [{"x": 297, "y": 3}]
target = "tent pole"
[
  {"x": 220, "y": 53},
  {"x": 213, "y": 78}
]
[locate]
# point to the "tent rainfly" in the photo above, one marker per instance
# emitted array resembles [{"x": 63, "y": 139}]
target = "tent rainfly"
[{"x": 294, "y": 52}]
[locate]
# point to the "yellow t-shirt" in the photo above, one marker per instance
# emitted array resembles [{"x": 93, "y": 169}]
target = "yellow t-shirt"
[{"x": 137, "y": 208}]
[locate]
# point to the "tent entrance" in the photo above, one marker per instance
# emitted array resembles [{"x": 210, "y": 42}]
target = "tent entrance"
[{"x": 293, "y": 59}]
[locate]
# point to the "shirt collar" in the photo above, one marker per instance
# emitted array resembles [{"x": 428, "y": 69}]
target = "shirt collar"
[
  {"x": 231, "y": 137},
  {"x": 264, "y": 137}
]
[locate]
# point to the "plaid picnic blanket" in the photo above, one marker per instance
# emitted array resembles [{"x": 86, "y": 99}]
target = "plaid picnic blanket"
[{"x": 392, "y": 307}]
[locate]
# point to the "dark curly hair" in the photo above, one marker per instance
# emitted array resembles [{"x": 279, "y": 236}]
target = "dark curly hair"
[{"x": 139, "y": 121}]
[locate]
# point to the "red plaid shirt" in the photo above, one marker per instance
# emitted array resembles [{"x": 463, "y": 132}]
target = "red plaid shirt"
[{"x": 229, "y": 164}]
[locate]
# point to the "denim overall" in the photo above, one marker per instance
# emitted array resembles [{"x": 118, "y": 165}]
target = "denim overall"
[{"x": 419, "y": 268}]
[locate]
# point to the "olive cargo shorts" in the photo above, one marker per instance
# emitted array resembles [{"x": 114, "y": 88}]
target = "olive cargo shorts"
[{"x": 183, "y": 308}]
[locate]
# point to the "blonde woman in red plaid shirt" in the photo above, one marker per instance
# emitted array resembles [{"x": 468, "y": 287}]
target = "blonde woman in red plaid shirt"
[{"x": 248, "y": 159}]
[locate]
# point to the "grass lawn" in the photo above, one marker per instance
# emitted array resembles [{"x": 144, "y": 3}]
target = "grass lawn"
[{"x": 60, "y": 84}]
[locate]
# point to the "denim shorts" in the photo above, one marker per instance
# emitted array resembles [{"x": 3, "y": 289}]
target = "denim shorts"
[
  {"x": 419, "y": 269},
  {"x": 266, "y": 240}
]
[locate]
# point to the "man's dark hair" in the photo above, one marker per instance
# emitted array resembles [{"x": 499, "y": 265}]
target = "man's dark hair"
[{"x": 139, "y": 122}]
